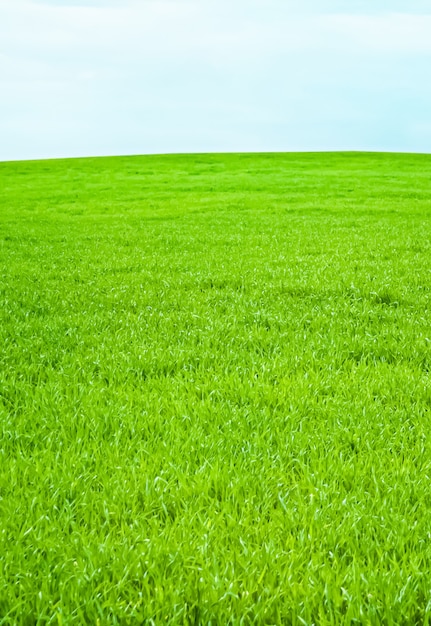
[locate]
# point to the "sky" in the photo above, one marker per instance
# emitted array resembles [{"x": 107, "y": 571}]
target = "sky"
[{"x": 108, "y": 77}]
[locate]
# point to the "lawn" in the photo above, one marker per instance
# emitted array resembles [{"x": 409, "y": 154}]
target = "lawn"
[{"x": 215, "y": 390}]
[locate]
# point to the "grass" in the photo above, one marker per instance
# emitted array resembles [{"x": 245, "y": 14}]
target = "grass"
[{"x": 215, "y": 390}]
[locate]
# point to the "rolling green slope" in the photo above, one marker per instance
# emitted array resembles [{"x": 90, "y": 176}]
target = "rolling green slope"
[{"x": 215, "y": 390}]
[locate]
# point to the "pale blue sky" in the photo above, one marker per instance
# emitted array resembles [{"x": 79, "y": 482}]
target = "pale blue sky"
[{"x": 102, "y": 77}]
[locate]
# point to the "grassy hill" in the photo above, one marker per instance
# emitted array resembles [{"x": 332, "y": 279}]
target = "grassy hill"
[{"x": 215, "y": 390}]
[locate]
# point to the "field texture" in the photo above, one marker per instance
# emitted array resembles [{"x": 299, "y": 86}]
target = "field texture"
[{"x": 215, "y": 390}]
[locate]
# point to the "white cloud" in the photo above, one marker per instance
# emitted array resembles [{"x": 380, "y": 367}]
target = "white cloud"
[
  {"x": 219, "y": 30},
  {"x": 391, "y": 33}
]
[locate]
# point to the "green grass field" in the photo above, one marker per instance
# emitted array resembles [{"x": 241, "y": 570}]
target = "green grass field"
[{"x": 215, "y": 390}]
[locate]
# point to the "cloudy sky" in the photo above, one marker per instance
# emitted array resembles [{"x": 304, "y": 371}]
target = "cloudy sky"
[{"x": 96, "y": 77}]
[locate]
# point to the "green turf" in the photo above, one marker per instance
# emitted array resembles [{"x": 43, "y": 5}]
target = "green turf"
[{"x": 215, "y": 390}]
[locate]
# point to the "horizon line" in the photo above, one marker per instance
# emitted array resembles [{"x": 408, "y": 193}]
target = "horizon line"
[{"x": 215, "y": 153}]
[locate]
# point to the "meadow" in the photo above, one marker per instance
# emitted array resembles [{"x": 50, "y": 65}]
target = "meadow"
[{"x": 215, "y": 390}]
